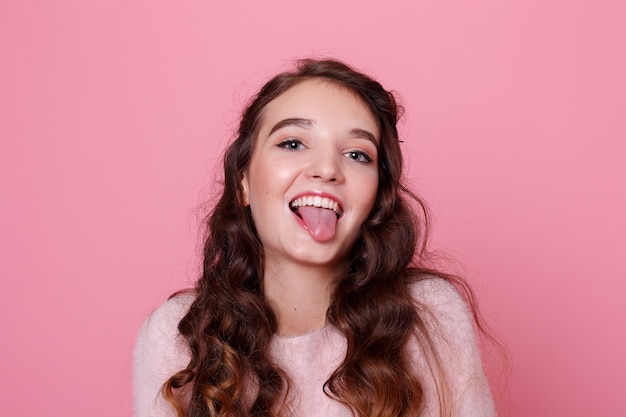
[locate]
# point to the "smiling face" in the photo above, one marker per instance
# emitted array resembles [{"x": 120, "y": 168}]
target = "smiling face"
[{"x": 313, "y": 177}]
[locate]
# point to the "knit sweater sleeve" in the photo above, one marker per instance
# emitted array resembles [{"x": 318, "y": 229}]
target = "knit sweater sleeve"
[
  {"x": 159, "y": 353},
  {"x": 452, "y": 329}
]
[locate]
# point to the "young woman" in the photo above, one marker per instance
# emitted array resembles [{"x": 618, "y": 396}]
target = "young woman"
[{"x": 315, "y": 297}]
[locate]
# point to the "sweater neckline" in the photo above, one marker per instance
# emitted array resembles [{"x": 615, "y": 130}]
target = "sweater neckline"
[{"x": 301, "y": 336}]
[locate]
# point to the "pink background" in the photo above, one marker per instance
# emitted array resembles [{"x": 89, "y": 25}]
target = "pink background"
[{"x": 113, "y": 114}]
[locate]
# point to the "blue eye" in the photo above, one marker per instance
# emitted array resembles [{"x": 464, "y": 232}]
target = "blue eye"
[
  {"x": 291, "y": 144},
  {"x": 359, "y": 156}
]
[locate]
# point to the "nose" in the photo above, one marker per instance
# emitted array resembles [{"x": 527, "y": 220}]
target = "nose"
[{"x": 325, "y": 166}]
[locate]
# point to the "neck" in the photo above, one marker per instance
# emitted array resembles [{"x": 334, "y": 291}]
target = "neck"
[{"x": 299, "y": 296}]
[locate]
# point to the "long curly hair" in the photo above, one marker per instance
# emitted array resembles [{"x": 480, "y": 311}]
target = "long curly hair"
[{"x": 230, "y": 324}]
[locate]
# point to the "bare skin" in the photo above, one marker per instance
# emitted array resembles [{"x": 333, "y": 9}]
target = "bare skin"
[{"x": 317, "y": 140}]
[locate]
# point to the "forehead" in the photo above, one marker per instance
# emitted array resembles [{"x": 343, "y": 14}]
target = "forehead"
[{"x": 323, "y": 102}]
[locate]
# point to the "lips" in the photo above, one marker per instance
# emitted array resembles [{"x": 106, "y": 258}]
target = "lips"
[
  {"x": 316, "y": 201},
  {"x": 318, "y": 214}
]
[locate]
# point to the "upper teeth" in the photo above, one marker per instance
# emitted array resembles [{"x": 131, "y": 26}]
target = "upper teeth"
[{"x": 316, "y": 201}]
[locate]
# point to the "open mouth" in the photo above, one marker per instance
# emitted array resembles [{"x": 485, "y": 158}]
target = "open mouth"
[
  {"x": 318, "y": 215},
  {"x": 315, "y": 201}
]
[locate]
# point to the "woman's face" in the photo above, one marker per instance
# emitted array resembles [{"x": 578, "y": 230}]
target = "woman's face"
[{"x": 313, "y": 177}]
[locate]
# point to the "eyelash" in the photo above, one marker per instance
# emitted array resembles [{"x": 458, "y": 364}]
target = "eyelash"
[
  {"x": 361, "y": 157},
  {"x": 288, "y": 144},
  {"x": 294, "y": 144}
]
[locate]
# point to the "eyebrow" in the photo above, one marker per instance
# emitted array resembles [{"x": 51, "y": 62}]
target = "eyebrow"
[
  {"x": 309, "y": 123},
  {"x": 364, "y": 134},
  {"x": 295, "y": 121}
]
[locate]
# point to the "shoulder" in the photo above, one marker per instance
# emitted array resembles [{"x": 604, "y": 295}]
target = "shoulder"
[
  {"x": 160, "y": 352},
  {"x": 433, "y": 288},
  {"x": 158, "y": 336},
  {"x": 450, "y": 325},
  {"x": 163, "y": 321},
  {"x": 439, "y": 296},
  {"x": 446, "y": 314}
]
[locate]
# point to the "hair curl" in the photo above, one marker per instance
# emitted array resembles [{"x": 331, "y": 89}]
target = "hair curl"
[{"x": 230, "y": 325}]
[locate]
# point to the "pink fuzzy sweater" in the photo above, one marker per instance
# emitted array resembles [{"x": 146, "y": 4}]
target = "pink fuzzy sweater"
[{"x": 309, "y": 359}]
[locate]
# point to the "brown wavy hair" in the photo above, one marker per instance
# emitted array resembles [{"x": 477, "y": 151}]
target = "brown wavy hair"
[{"x": 230, "y": 325}]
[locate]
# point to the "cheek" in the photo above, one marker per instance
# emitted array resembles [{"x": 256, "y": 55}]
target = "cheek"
[
  {"x": 370, "y": 189},
  {"x": 283, "y": 169},
  {"x": 372, "y": 200},
  {"x": 266, "y": 193},
  {"x": 365, "y": 196},
  {"x": 268, "y": 173},
  {"x": 272, "y": 181}
]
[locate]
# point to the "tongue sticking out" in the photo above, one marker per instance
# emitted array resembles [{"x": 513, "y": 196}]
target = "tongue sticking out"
[{"x": 320, "y": 222}]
